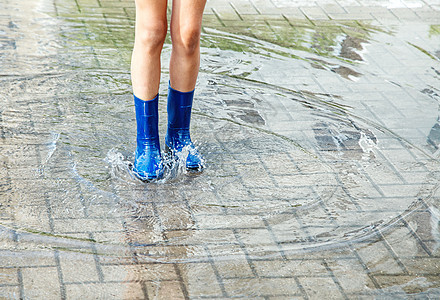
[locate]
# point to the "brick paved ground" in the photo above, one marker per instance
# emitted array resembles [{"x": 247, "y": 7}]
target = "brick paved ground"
[{"x": 322, "y": 179}]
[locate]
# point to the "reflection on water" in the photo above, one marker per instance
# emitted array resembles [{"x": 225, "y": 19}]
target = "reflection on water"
[{"x": 300, "y": 155}]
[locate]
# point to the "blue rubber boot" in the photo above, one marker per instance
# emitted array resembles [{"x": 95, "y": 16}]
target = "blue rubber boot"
[
  {"x": 148, "y": 163},
  {"x": 179, "y": 117}
]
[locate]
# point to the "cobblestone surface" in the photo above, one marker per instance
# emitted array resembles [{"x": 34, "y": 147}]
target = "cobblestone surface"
[{"x": 61, "y": 238}]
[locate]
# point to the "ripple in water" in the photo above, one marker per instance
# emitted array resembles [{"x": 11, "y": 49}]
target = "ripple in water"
[{"x": 287, "y": 169}]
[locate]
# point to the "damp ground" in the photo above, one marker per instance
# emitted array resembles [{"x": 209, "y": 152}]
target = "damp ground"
[{"x": 320, "y": 131}]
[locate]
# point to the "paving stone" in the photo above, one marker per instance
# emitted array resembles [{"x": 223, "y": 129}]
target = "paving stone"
[
  {"x": 87, "y": 225},
  {"x": 406, "y": 284},
  {"x": 105, "y": 291},
  {"x": 8, "y": 276},
  {"x": 147, "y": 272},
  {"x": 404, "y": 13},
  {"x": 296, "y": 17},
  {"x": 195, "y": 274},
  {"x": 262, "y": 287},
  {"x": 315, "y": 13},
  {"x": 351, "y": 16},
  {"x": 10, "y": 292},
  {"x": 165, "y": 290},
  {"x": 289, "y": 268},
  {"x": 239, "y": 267},
  {"x": 41, "y": 283},
  {"x": 16, "y": 259},
  {"x": 244, "y": 7},
  {"x": 333, "y": 9},
  {"x": 329, "y": 291},
  {"x": 226, "y": 13},
  {"x": 350, "y": 275},
  {"x": 370, "y": 257},
  {"x": 78, "y": 269}
]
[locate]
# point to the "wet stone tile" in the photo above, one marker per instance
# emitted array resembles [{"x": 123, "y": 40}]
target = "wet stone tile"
[
  {"x": 350, "y": 275},
  {"x": 289, "y": 268},
  {"x": 229, "y": 221},
  {"x": 77, "y": 268},
  {"x": 19, "y": 258},
  {"x": 87, "y": 225},
  {"x": 329, "y": 290},
  {"x": 259, "y": 176},
  {"x": 249, "y": 288},
  {"x": 109, "y": 237},
  {"x": 168, "y": 253},
  {"x": 403, "y": 191},
  {"x": 233, "y": 190},
  {"x": 139, "y": 272},
  {"x": 68, "y": 209},
  {"x": 206, "y": 237},
  {"x": 407, "y": 284},
  {"x": 289, "y": 232},
  {"x": 301, "y": 194},
  {"x": 235, "y": 266},
  {"x": 175, "y": 216},
  {"x": 165, "y": 290},
  {"x": 10, "y": 292},
  {"x": 8, "y": 276},
  {"x": 33, "y": 218},
  {"x": 432, "y": 246},
  {"x": 200, "y": 279},
  {"x": 41, "y": 283},
  {"x": 379, "y": 260},
  {"x": 303, "y": 180},
  {"x": 427, "y": 266},
  {"x": 103, "y": 211},
  {"x": 105, "y": 290},
  {"x": 280, "y": 164}
]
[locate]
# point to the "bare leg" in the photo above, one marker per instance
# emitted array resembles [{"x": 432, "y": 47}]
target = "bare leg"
[
  {"x": 150, "y": 32},
  {"x": 151, "y": 29},
  {"x": 186, "y": 23}
]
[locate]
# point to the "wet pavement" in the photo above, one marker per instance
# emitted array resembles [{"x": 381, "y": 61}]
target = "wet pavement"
[{"x": 319, "y": 122}]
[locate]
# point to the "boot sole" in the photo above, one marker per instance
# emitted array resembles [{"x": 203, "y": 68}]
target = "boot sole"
[{"x": 144, "y": 179}]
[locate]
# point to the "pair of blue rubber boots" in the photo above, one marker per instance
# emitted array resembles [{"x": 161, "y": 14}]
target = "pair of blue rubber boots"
[{"x": 148, "y": 163}]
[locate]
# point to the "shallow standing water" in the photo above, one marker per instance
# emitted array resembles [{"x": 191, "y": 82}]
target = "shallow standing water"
[{"x": 317, "y": 139}]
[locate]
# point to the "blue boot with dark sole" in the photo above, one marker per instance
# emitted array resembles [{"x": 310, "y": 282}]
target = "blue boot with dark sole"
[
  {"x": 148, "y": 164},
  {"x": 178, "y": 137}
]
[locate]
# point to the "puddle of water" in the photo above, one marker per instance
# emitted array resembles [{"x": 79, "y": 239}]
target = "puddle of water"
[{"x": 297, "y": 158}]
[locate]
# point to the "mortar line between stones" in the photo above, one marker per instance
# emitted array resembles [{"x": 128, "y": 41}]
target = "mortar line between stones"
[
  {"x": 391, "y": 252},
  {"x": 60, "y": 275},
  {"x": 274, "y": 238},
  {"x": 416, "y": 236},
  {"x": 301, "y": 288},
  {"x": 373, "y": 183},
  {"x": 321, "y": 202},
  {"x": 218, "y": 17},
  {"x": 20, "y": 283},
  {"x": 391, "y": 166},
  {"x": 181, "y": 281},
  {"x": 246, "y": 253},
  {"x": 334, "y": 278},
  {"x": 269, "y": 174},
  {"x": 216, "y": 272},
  {"x": 235, "y": 10},
  {"x": 364, "y": 266},
  {"x": 255, "y": 7}
]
